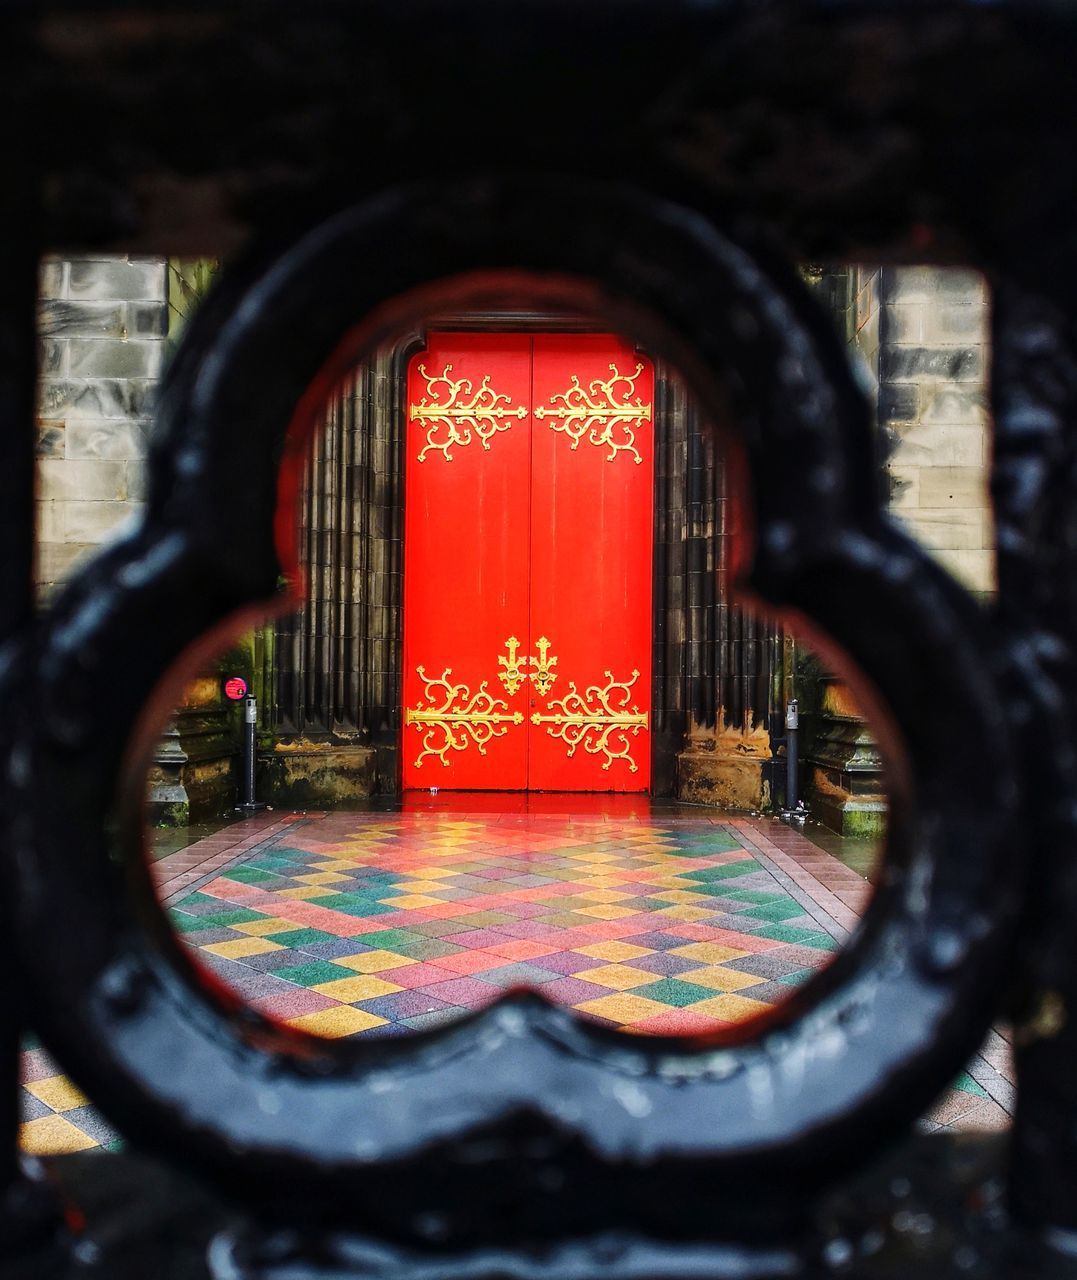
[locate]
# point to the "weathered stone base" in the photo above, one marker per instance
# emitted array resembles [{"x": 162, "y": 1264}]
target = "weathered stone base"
[
  {"x": 729, "y": 772},
  {"x": 846, "y": 792},
  {"x": 849, "y": 800},
  {"x": 849, "y": 814},
  {"x": 193, "y": 775},
  {"x": 303, "y": 774}
]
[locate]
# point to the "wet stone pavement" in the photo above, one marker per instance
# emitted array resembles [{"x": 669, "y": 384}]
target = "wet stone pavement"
[{"x": 655, "y": 920}]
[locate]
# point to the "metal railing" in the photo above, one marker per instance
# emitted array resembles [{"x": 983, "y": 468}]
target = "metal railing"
[{"x": 657, "y": 164}]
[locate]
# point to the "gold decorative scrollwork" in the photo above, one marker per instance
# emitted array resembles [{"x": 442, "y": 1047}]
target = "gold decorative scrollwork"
[
  {"x": 449, "y": 418},
  {"x": 513, "y": 676},
  {"x": 592, "y": 719},
  {"x": 598, "y": 412},
  {"x": 461, "y": 720},
  {"x": 543, "y": 677}
]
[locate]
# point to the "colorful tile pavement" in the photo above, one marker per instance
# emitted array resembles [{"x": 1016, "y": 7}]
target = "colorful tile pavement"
[{"x": 375, "y": 924}]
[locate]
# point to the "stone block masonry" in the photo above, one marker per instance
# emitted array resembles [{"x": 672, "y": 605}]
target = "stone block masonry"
[
  {"x": 102, "y": 326},
  {"x": 932, "y": 408}
]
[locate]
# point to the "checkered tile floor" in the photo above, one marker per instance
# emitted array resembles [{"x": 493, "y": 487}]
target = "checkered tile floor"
[{"x": 380, "y": 924}]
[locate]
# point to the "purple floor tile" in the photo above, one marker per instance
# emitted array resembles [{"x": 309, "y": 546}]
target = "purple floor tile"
[
  {"x": 473, "y": 939},
  {"x": 272, "y": 961},
  {"x": 31, "y": 1108},
  {"x": 405, "y": 1004},
  {"x": 332, "y": 950},
  {"x": 659, "y": 940},
  {"x": 293, "y": 1003},
  {"x": 664, "y": 964},
  {"x": 572, "y": 991},
  {"x": 525, "y": 929},
  {"x": 568, "y": 962},
  {"x": 35, "y": 1064},
  {"x": 428, "y": 1021},
  {"x": 90, "y": 1121},
  {"x": 468, "y": 992},
  {"x": 520, "y": 974}
]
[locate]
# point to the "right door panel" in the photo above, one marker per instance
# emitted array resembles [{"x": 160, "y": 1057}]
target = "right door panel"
[{"x": 592, "y": 469}]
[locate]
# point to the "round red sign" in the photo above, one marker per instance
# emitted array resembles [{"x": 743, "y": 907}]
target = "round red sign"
[{"x": 235, "y": 687}]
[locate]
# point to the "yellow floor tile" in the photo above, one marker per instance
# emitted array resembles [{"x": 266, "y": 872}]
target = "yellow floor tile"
[
  {"x": 242, "y": 947},
  {"x": 305, "y": 895},
  {"x": 708, "y": 952},
  {"x": 624, "y": 1008},
  {"x": 365, "y": 987},
  {"x": 57, "y": 1092},
  {"x": 271, "y": 924},
  {"x": 434, "y": 873},
  {"x": 730, "y": 1008},
  {"x": 374, "y": 961},
  {"x": 604, "y": 912},
  {"x": 418, "y": 886},
  {"x": 613, "y": 950},
  {"x": 338, "y": 864},
  {"x": 52, "y": 1136},
  {"x": 603, "y": 896},
  {"x": 678, "y": 897},
  {"x": 621, "y": 977},
  {"x": 410, "y": 901},
  {"x": 720, "y": 979},
  {"x": 684, "y": 914},
  {"x": 334, "y": 1023},
  {"x": 321, "y": 877}
]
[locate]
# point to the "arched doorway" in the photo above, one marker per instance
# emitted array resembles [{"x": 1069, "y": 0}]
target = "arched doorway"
[{"x": 716, "y": 678}]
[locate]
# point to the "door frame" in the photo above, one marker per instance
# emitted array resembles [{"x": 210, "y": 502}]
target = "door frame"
[{"x": 663, "y": 750}]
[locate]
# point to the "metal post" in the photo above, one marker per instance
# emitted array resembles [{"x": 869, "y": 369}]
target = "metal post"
[
  {"x": 247, "y": 803},
  {"x": 792, "y": 786}
]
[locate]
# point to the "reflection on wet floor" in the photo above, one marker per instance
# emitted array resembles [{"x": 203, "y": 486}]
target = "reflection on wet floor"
[{"x": 654, "y": 919}]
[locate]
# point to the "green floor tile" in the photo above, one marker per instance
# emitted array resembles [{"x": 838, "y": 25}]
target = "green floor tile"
[
  {"x": 820, "y": 942},
  {"x": 700, "y": 848},
  {"x": 669, "y": 991},
  {"x": 389, "y": 939},
  {"x": 195, "y": 900},
  {"x": 776, "y": 911},
  {"x": 268, "y": 863},
  {"x": 310, "y": 975},
  {"x": 250, "y": 875},
  {"x": 233, "y": 915},
  {"x": 354, "y": 904},
  {"x": 728, "y": 870},
  {"x": 787, "y": 933},
  {"x": 756, "y": 896},
  {"x": 184, "y": 923},
  {"x": 966, "y": 1084},
  {"x": 426, "y": 949}
]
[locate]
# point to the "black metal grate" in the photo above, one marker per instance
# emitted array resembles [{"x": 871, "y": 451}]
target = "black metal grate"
[{"x": 661, "y": 164}]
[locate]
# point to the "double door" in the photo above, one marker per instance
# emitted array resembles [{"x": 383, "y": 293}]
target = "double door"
[{"x": 527, "y": 563}]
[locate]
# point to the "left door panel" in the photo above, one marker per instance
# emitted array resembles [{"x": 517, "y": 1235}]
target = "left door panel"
[{"x": 466, "y": 555}]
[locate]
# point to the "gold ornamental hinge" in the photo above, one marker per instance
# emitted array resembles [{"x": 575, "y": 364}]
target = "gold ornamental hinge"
[
  {"x": 593, "y": 721},
  {"x": 600, "y": 411},
  {"x": 450, "y": 418}
]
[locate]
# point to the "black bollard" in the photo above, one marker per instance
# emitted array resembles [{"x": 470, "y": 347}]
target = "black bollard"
[{"x": 247, "y": 803}]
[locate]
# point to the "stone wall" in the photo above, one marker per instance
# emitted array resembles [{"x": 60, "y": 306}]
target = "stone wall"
[
  {"x": 102, "y": 323},
  {"x": 104, "y": 329},
  {"x": 932, "y": 363},
  {"x": 919, "y": 337},
  {"x": 920, "y": 340}
]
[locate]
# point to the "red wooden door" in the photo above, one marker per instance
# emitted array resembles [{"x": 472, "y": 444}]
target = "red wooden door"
[
  {"x": 466, "y": 500},
  {"x": 527, "y": 580}
]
